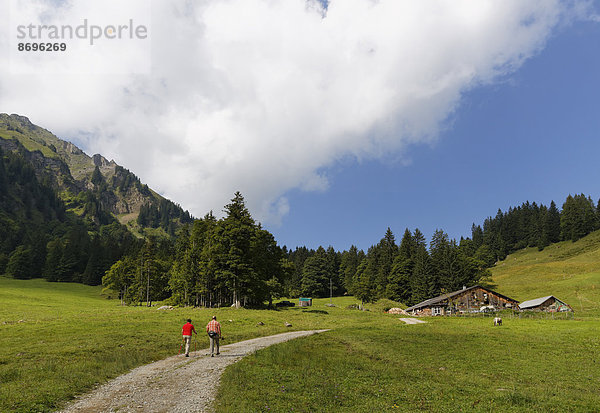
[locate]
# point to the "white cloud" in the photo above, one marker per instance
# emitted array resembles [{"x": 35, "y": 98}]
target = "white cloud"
[{"x": 261, "y": 96}]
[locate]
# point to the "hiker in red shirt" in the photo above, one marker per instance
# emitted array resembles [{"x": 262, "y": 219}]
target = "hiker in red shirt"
[
  {"x": 187, "y": 330},
  {"x": 213, "y": 328}
]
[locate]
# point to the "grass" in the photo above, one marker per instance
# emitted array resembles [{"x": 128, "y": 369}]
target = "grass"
[
  {"x": 447, "y": 365},
  {"x": 28, "y": 142},
  {"x": 567, "y": 270}
]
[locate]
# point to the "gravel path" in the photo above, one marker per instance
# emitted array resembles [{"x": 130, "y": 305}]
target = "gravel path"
[
  {"x": 176, "y": 384},
  {"x": 412, "y": 321}
]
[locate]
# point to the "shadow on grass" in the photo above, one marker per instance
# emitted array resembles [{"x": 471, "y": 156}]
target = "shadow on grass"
[{"x": 315, "y": 311}]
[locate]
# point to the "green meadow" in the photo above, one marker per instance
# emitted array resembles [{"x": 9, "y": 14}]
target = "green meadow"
[
  {"x": 446, "y": 365},
  {"x": 60, "y": 340},
  {"x": 567, "y": 270}
]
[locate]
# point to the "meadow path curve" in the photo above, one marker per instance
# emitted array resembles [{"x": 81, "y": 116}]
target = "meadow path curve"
[{"x": 176, "y": 384}]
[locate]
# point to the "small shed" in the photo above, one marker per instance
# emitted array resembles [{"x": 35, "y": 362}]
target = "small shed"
[
  {"x": 549, "y": 304},
  {"x": 304, "y": 302}
]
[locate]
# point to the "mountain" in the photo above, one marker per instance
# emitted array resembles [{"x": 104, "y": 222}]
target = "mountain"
[
  {"x": 91, "y": 186},
  {"x": 67, "y": 216}
]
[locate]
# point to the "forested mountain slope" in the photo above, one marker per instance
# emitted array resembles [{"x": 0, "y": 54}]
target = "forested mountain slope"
[
  {"x": 60, "y": 208},
  {"x": 568, "y": 270}
]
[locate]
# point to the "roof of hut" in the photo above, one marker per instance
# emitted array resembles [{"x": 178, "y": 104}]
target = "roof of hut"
[{"x": 538, "y": 301}]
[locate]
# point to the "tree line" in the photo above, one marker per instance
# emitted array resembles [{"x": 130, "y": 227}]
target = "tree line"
[
  {"x": 413, "y": 271},
  {"x": 530, "y": 225},
  {"x": 408, "y": 272},
  {"x": 230, "y": 261}
]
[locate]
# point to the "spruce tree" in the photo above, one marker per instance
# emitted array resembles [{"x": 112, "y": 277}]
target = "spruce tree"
[
  {"x": 315, "y": 277},
  {"x": 552, "y": 223},
  {"x": 399, "y": 284},
  {"x": 477, "y": 236},
  {"x": 238, "y": 227},
  {"x": 181, "y": 279},
  {"x": 53, "y": 258},
  {"x": 421, "y": 277},
  {"x": 333, "y": 269},
  {"x": 19, "y": 263},
  {"x": 68, "y": 264},
  {"x": 407, "y": 245},
  {"x": 95, "y": 267},
  {"x": 348, "y": 265},
  {"x": 364, "y": 283},
  {"x": 383, "y": 256},
  {"x": 266, "y": 256}
]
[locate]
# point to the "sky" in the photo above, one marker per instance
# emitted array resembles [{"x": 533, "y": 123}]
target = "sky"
[{"x": 335, "y": 123}]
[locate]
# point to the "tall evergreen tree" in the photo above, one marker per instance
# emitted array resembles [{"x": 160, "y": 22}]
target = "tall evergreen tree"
[
  {"x": 19, "y": 263},
  {"x": 95, "y": 267},
  {"x": 53, "y": 258},
  {"x": 578, "y": 217},
  {"x": 238, "y": 227},
  {"x": 477, "y": 236},
  {"x": 315, "y": 276},
  {"x": 399, "y": 283},
  {"x": 442, "y": 259},
  {"x": 348, "y": 266},
  {"x": 407, "y": 246},
  {"x": 382, "y": 258},
  {"x": 364, "y": 283},
  {"x": 266, "y": 264},
  {"x": 420, "y": 286},
  {"x": 333, "y": 268},
  {"x": 68, "y": 264}
]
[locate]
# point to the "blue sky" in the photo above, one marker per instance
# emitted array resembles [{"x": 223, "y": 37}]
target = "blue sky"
[{"x": 535, "y": 136}]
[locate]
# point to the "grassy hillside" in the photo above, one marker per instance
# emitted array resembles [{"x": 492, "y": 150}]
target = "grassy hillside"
[{"x": 567, "y": 270}]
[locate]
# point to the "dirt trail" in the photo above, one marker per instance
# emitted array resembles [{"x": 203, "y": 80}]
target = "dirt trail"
[
  {"x": 176, "y": 384},
  {"x": 412, "y": 321}
]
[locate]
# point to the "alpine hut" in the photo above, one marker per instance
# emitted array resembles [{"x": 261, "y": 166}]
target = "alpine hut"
[
  {"x": 550, "y": 304},
  {"x": 468, "y": 300}
]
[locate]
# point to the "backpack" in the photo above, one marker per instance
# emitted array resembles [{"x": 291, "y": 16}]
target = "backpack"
[{"x": 213, "y": 334}]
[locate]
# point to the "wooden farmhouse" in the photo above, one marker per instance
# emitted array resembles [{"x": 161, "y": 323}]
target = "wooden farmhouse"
[
  {"x": 550, "y": 304},
  {"x": 468, "y": 300}
]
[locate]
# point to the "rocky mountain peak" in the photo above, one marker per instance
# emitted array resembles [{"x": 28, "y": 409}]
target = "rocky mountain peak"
[{"x": 100, "y": 160}]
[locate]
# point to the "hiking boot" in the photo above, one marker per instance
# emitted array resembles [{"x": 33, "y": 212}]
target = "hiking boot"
[
  {"x": 212, "y": 355},
  {"x": 187, "y": 355},
  {"x": 218, "y": 354}
]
